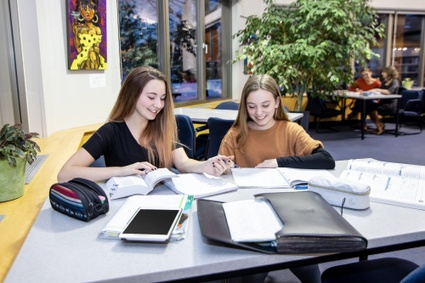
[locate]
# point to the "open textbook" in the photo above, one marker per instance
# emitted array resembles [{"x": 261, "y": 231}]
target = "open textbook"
[
  {"x": 282, "y": 177},
  {"x": 196, "y": 184},
  {"x": 393, "y": 183},
  {"x": 119, "y": 187},
  {"x": 120, "y": 219}
]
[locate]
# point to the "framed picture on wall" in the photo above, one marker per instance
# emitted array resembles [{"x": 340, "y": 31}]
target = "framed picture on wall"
[{"x": 86, "y": 24}]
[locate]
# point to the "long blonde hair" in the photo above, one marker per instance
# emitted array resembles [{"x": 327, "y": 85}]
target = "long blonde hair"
[
  {"x": 265, "y": 82},
  {"x": 160, "y": 135}
]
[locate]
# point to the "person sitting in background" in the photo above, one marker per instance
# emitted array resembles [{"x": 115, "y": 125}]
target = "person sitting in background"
[
  {"x": 365, "y": 83},
  {"x": 389, "y": 85},
  {"x": 263, "y": 136},
  {"x": 140, "y": 135}
]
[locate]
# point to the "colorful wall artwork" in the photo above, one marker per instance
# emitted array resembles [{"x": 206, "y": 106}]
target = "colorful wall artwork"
[{"x": 86, "y": 23}]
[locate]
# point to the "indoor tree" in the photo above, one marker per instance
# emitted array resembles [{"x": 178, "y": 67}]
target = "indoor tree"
[{"x": 309, "y": 45}]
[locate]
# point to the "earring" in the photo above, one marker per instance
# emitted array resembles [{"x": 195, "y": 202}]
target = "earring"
[{"x": 97, "y": 19}]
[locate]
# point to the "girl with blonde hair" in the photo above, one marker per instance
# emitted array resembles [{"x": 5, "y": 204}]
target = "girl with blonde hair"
[{"x": 263, "y": 136}]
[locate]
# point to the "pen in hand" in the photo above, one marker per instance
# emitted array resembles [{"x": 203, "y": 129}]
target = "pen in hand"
[{"x": 234, "y": 165}]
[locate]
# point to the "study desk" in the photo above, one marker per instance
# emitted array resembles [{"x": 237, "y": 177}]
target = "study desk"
[
  {"x": 201, "y": 115},
  {"x": 20, "y": 214},
  {"x": 59, "y": 248},
  {"x": 363, "y": 98}
]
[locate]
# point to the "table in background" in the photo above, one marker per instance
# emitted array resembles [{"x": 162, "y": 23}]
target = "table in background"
[
  {"x": 201, "y": 115},
  {"x": 65, "y": 249},
  {"x": 364, "y": 98}
]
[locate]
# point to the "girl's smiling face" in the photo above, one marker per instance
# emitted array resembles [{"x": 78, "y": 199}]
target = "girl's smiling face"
[
  {"x": 152, "y": 99},
  {"x": 261, "y": 106}
]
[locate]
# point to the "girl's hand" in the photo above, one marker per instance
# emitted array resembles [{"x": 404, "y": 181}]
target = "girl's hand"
[
  {"x": 269, "y": 163},
  {"x": 138, "y": 168},
  {"x": 218, "y": 165}
]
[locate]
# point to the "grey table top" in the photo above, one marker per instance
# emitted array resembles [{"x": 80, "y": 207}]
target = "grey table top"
[{"x": 59, "y": 248}]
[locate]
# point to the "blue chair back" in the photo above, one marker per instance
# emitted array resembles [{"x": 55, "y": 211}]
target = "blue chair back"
[
  {"x": 409, "y": 94},
  {"x": 100, "y": 162},
  {"x": 218, "y": 129},
  {"x": 186, "y": 134},
  {"x": 231, "y": 105},
  {"x": 400, "y": 89}
]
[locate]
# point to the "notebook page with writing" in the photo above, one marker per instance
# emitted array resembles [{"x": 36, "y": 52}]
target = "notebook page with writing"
[{"x": 259, "y": 177}]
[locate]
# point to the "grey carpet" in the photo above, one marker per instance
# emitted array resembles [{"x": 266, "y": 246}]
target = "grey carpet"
[{"x": 347, "y": 144}]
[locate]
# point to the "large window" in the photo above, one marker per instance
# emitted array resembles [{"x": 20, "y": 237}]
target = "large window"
[
  {"x": 408, "y": 38},
  {"x": 193, "y": 27},
  {"x": 138, "y": 34},
  {"x": 403, "y": 47}
]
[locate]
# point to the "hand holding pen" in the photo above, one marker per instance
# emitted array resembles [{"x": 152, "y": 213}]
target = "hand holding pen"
[{"x": 218, "y": 165}]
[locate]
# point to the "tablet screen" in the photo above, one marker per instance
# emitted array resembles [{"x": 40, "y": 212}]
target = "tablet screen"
[{"x": 151, "y": 224}]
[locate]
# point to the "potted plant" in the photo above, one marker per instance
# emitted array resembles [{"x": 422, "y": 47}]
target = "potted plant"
[
  {"x": 407, "y": 83},
  {"x": 309, "y": 45},
  {"x": 16, "y": 149}
]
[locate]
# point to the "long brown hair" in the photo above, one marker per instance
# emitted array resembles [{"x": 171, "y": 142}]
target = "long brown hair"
[
  {"x": 160, "y": 135},
  {"x": 392, "y": 73},
  {"x": 265, "y": 82}
]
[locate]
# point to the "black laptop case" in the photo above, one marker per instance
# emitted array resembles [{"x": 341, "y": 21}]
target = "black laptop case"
[{"x": 311, "y": 225}]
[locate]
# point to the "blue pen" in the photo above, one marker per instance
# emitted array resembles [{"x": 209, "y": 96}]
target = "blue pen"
[{"x": 301, "y": 187}]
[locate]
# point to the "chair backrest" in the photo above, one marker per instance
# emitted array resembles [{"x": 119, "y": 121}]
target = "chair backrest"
[
  {"x": 314, "y": 104},
  {"x": 423, "y": 100},
  {"x": 409, "y": 94},
  {"x": 186, "y": 134},
  {"x": 100, "y": 162},
  {"x": 400, "y": 89},
  {"x": 232, "y": 105},
  {"x": 218, "y": 129},
  {"x": 416, "y": 275}
]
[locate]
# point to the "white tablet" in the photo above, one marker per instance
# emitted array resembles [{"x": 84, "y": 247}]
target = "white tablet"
[{"x": 151, "y": 225}]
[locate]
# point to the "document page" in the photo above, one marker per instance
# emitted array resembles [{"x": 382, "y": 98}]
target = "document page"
[
  {"x": 252, "y": 220},
  {"x": 199, "y": 185},
  {"x": 391, "y": 183},
  {"x": 259, "y": 177}
]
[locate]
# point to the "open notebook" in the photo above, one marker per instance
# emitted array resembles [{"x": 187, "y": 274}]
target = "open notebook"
[{"x": 276, "y": 177}]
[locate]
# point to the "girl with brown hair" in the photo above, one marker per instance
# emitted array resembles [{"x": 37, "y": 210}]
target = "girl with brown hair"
[{"x": 140, "y": 135}]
